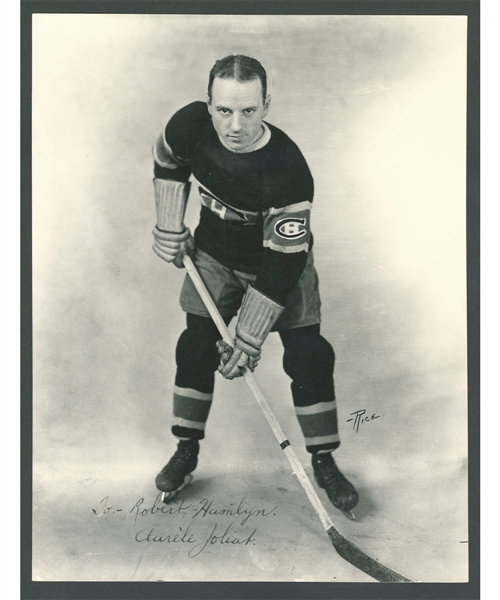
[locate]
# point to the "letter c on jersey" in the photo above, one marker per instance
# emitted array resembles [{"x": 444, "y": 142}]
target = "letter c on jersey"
[{"x": 290, "y": 228}]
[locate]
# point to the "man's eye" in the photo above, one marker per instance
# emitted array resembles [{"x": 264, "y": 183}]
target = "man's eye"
[
  {"x": 249, "y": 110},
  {"x": 224, "y": 111}
]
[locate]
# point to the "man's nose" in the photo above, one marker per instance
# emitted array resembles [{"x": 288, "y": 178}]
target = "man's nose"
[{"x": 236, "y": 122}]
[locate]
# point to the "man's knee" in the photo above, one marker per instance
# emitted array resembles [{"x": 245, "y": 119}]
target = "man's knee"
[
  {"x": 196, "y": 347},
  {"x": 308, "y": 356}
]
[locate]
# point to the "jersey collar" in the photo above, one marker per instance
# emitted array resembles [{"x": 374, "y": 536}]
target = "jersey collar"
[{"x": 257, "y": 145}]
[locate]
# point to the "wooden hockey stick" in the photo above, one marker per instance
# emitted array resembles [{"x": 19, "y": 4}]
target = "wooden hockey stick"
[{"x": 343, "y": 546}]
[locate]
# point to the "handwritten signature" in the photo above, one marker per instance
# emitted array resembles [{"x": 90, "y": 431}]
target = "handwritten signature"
[
  {"x": 188, "y": 537},
  {"x": 239, "y": 513},
  {"x": 358, "y": 418}
]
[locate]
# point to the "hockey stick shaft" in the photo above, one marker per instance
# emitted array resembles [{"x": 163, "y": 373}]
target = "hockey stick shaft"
[
  {"x": 297, "y": 467},
  {"x": 346, "y": 549}
]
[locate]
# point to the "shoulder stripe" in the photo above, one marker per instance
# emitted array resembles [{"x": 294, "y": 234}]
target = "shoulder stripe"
[{"x": 163, "y": 155}]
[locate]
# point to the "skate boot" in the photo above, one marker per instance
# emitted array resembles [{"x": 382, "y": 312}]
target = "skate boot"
[
  {"x": 341, "y": 492},
  {"x": 176, "y": 474}
]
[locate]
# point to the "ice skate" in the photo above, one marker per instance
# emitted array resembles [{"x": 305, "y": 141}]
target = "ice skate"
[
  {"x": 341, "y": 492},
  {"x": 176, "y": 474}
]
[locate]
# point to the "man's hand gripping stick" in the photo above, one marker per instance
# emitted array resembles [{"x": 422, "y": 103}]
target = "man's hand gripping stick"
[{"x": 257, "y": 316}]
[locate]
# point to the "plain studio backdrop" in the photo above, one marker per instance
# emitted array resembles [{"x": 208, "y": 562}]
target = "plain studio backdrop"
[{"x": 378, "y": 107}]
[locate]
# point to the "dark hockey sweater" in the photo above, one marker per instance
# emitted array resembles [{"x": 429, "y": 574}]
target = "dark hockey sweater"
[{"x": 255, "y": 214}]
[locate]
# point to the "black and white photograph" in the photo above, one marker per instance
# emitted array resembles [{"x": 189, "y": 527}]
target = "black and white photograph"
[{"x": 249, "y": 298}]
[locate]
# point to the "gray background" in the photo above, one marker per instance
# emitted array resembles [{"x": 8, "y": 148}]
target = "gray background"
[{"x": 377, "y": 106}]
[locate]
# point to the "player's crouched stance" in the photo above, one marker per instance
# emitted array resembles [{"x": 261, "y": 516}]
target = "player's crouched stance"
[{"x": 253, "y": 250}]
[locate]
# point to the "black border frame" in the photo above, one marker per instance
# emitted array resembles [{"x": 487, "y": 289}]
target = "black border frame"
[{"x": 34, "y": 590}]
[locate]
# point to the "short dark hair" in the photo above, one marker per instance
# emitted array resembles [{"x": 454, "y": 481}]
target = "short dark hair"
[{"x": 240, "y": 67}]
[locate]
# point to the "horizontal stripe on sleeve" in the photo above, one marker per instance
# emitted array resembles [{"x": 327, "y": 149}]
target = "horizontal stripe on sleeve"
[
  {"x": 290, "y": 249},
  {"x": 291, "y": 208}
]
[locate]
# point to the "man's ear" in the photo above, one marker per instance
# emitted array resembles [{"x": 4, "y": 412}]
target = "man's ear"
[
  {"x": 209, "y": 106},
  {"x": 267, "y": 103}
]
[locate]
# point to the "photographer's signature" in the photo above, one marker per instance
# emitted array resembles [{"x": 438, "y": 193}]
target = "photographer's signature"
[{"x": 358, "y": 417}]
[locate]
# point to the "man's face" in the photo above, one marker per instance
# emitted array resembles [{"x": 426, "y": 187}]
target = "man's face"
[{"x": 237, "y": 110}]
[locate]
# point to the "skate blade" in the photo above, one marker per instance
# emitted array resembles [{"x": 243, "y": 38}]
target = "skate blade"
[
  {"x": 349, "y": 514},
  {"x": 167, "y": 496}
]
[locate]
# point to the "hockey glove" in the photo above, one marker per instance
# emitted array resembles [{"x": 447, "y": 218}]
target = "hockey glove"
[
  {"x": 171, "y": 246},
  {"x": 257, "y": 316},
  {"x": 172, "y": 237}
]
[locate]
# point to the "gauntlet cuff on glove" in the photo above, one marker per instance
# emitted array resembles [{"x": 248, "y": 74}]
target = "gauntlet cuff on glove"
[
  {"x": 257, "y": 316},
  {"x": 171, "y": 200}
]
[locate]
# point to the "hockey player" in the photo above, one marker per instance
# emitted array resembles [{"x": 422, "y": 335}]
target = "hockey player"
[{"x": 253, "y": 250}]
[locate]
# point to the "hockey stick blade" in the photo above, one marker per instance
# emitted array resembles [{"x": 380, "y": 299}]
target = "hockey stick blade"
[{"x": 354, "y": 555}]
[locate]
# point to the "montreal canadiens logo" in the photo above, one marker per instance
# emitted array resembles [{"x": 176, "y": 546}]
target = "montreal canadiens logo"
[{"x": 290, "y": 228}]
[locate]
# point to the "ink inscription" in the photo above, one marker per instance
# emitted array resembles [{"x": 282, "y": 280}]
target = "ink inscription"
[{"x": 177, "y": 522}]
